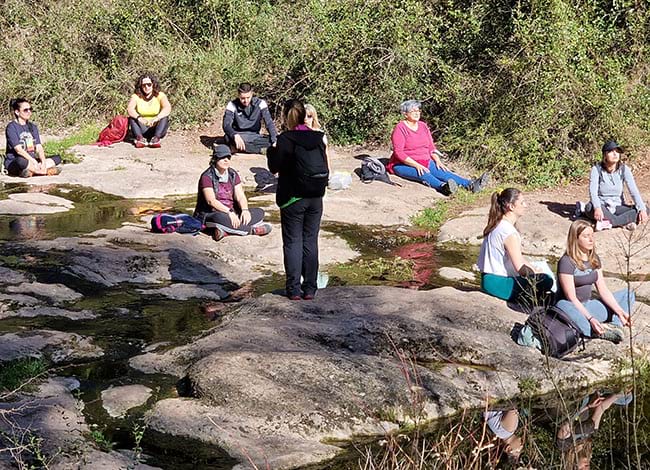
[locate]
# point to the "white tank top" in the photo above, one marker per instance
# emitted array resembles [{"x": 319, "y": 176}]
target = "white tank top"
[{"x": 493, "y": 258}]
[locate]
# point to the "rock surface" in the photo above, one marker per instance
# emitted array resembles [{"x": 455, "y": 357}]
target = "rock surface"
[
  {"x": 54, "y": 415},
  {"x": 34, "y": 203},
  {"x": 58, "y": 346},
  {"x": 281, "y": 376},
  {"x": 118, "y": 400}
]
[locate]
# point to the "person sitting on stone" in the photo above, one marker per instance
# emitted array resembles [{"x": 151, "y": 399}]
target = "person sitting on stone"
[
  {"x": 242, "y": 122},
  {"x": 607, "y": 202},
  {"x": 579, "y": 270},
  {"x": 25, "y": 155},
  {"x": 148, "y": 111},
  {"x": 416, "y": 158},
  {"x": 505, "y": 274},
  {"x": 221, "y": 203}
]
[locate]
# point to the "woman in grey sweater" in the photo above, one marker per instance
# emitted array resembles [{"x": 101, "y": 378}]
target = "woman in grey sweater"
[{"x": 607, "y": 205}]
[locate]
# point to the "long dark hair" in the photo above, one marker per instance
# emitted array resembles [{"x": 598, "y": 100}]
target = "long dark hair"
[
  {"x": 499, "y": 207},
  {"x": 154, "y": 80}
]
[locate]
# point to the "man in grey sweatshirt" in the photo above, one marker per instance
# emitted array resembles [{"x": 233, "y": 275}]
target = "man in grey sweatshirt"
[{"x": 242, "y": 122}]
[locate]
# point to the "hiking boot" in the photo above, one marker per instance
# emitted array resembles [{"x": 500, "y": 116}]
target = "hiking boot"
[
  {"x": 480, "y": 183},
  {"x": 631, "y": 226},
  {"x": 155, "y": 142},
  {"x": 26, "y": 173},
  {"x": 603, "y": 225},
  {"x": 612, "y": 333},
  {"x": 140, "y": 143},
  {"x": 53, "y": 171},
  {"x": 294, "y": 297},
  {"x": 218, "y": 234},
  {"x": 308, "y": 296},
  {"x": 261, "y": 229},
  {"x": 579, "y": 210},
  {"x": 449, "y": 188}
]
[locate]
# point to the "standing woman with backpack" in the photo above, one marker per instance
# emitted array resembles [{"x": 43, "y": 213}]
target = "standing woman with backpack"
[
  {"x": 300, "y": 159},
  {"x": 25, "y": 155},
  {"x": 580, "y": 269},
  {"x": 505, "y": 274}
]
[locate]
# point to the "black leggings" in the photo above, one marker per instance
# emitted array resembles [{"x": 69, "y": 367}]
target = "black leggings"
[
  {"x": 621, "y": 216},
  {"x": 159, "y": 130},
  {"x": 222, "y": 221},
  {"x": 17, "y": 164}
]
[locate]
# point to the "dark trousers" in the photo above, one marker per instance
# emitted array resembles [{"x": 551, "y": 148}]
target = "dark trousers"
[
  {"x": 300, "y": 226},
  {"x": 622, "y": 216},
  {"x": 222, "y": 220},
  {"x": 18, "y": 164},
  {"x": 254, "y": 141},
  {"x": 159, "y": 130}
]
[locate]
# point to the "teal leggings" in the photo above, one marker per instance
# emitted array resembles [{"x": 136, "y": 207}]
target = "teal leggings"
[{"x": 525, "y": 290}]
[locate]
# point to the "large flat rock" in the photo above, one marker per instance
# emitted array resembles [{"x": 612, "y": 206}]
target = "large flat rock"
[
  {"x": 282, "y": 376},
  {"x": 34, "y": 203}
]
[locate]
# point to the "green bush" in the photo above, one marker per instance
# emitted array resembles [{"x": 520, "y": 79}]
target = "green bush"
[{"x": 528, "y": 89}]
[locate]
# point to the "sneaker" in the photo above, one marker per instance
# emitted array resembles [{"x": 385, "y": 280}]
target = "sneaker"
[
  {"x": 612, "y": 333},
  {"x": 449, "y": 188},
  {"x": 53, "y": 171},
  {"x": 218, "y": 234},
  {"x": 140, "y": 143},
  {"x": 579, "y": 210},
  {"x": 26, "y": 173},
  {"x": 155, "y": 142},
  {"x": 603, "y": 225},
  {"x": 261, "y": 229},
  {"x": 294, "y": 297},
  {"x": 308, "y": 296},
  {"x": 480, "y": 183},
  {"x": 631, "y": 226}
]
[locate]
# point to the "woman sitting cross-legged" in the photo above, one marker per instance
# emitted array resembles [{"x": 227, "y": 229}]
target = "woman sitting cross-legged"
[
  {"x": 416, "y": 158},
  {"x": 25, "y": 155},
  {"x": 607, "y": 202},
  {"x": 578, "y": 271},
  {"x": 148, "y": 111},
  {"x": 504, "y": 271},
  {"x": 221, "y": 203}
]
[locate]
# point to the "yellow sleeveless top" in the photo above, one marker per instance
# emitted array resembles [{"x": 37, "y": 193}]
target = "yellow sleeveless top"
[{"x": 151, "y": 108}]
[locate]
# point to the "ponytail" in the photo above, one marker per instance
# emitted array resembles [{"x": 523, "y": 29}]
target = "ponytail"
[{"x": 499, "y": 207}]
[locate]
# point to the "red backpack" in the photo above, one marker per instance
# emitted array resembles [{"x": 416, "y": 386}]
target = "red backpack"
[{"x": 114, "y": 132}]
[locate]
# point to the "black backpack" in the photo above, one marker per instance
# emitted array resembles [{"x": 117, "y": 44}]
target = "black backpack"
[
  {"x": 557, "y": 333},
  {"x": 372, "y": 169},
  {"x": 311, "y": 170}
]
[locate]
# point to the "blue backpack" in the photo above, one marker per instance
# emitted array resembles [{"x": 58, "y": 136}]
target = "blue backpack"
[{"x": 181, "y": 223}]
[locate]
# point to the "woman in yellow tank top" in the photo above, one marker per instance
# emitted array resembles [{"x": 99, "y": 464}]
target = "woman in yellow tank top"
[{"x": 148, "y": 111}]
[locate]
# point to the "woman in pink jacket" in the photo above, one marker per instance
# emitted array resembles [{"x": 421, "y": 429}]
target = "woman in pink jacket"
[{"x": 416, "y": 158}]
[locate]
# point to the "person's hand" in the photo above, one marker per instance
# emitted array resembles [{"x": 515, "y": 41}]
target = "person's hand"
[
  {"x": 625, "y": 318},
  {"x": 441, "y": 166},
  {"x": 596, "y": 326},
  {"x": 643, "y": 217},
  {"x": 245, "y": 217},
  {"x": 239, "y": 143},
  {"x": 598, "y": 214},
  {"x": 234, "y": 220},
  {"x": 421, "y": 169}
]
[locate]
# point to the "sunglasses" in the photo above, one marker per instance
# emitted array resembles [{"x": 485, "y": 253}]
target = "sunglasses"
[
  {"x": 147, "y": 84},
  {"x": 27, "y": 110}
]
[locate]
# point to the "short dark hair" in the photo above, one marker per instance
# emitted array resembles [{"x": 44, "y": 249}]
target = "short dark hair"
[{"x": 244, "y": 87}]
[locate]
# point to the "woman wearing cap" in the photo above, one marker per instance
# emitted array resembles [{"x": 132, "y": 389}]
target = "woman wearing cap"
[
  {"x": 221, "y": 203},
  {"x": 25, "y": 155},
  {"x": 148, "y": 111},
  {"x": 416, "y": 158},
  {"x": 607, "y": 202},
  {"x": 505, "y": 274}
]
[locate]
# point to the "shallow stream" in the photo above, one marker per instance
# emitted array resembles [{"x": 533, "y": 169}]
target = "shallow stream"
[{"x": 127, "y": 321}]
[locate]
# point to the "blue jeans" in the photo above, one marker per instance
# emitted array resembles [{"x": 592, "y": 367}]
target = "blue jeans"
[
  {"x": 598, "y": 310},
  {"x": 435, "y": 178}
]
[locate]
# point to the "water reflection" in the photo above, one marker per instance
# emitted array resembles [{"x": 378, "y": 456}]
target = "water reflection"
[
  {"x": 575, "y": 434},
  {"x": 29, "y": 227},
  {"x": 504, "y": 424}
]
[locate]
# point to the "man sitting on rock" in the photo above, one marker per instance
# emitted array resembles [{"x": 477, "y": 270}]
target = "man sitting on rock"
[{"x": 242, "y": 122}]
